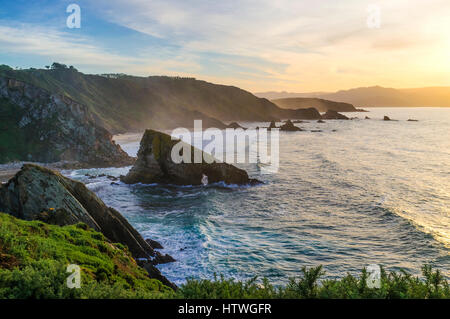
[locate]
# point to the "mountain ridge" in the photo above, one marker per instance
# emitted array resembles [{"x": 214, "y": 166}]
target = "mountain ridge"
[{"x": 378, "y": 96}]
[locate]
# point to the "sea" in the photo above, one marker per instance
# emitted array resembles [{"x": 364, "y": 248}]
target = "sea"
[{"x": 347, "y": 194}]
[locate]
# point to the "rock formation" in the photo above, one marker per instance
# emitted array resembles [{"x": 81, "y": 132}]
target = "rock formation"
[
  {"x": 289, "y": 127},
  {"x": 333, "y": 115},
  {"x": 39, "y": 193},
  {"x": 39, "y": 126},
  {"x": 155, "y": 165}
]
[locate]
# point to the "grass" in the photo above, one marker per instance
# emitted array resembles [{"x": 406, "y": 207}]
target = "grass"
[{"x": 34, "y": 257}]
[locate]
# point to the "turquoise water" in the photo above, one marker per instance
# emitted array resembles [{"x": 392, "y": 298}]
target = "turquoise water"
[{"x": 359, "y": 192}]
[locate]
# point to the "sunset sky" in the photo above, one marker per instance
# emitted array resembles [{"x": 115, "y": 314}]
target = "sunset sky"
[{"x": 259, "y": 45}]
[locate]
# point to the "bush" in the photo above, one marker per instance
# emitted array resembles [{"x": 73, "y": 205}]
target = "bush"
[{"x": 34, "y": 257}]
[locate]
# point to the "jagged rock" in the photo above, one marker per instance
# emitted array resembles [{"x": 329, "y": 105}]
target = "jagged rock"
[
  {"x": 155, "y": 165},
  {"x": 333, "y": 115},
  {"x": 154, "y": 244},
  {"x": 289, "y": 127},
  {"x": 53, "y": 128},
  {"x": 272, "y": 125},
  {"x": 386, "y": 118},
  {"x": 162, "y": 259},
  {"x": 37, "y": 193}
]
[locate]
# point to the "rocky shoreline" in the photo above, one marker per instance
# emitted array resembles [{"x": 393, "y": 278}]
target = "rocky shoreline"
[{"x": 38, "y": 193}]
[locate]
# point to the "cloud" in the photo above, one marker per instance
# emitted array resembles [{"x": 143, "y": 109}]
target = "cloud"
[
  {"x": 61, "y": 46},
  {"x": 255, "y": 44}
]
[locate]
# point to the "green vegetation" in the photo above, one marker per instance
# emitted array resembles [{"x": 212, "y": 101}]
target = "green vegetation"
[
  {"x": 393, "y": 286},
  {"x": 17, "y": 142},
  {"x": 34, "y": 258},
  {"x": 125, "y": 103}
]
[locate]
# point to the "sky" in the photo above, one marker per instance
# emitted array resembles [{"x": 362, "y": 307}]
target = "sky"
[{"x": 258, "y": 45}]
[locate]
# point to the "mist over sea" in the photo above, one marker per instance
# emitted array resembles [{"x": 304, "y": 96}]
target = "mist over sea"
[{"x": 360, "y": 192}]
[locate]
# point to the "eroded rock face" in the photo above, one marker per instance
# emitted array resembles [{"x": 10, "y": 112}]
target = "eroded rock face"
[
  {"x": 155, "y": 165},
  {"x": 333, "y": 115},
  {"x": 50, "y": 127}
]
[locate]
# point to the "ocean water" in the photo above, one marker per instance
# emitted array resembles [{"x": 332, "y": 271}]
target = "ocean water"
[{"x": 360, "y": 192}]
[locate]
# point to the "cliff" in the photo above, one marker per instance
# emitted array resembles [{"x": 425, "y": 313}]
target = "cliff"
[
  {"x": 123, "y": 103},
  {"x": 40, "y": 126}
]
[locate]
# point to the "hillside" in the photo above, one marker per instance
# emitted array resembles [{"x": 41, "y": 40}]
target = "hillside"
[
  {"x": 123, "y": 103},
  {"x": 34, "y": 257},
  {"x": 319, "y": 104},
  {"x": 377, "y": 96},
  {"x": 37, "y": 125}
]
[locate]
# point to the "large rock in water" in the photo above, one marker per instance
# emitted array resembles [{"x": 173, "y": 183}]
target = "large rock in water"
[
  {"x": 333, "y": 115},
  {"x": 289, "y": 127},
  {"x": 39, "y": 193},
  {"x": 155, "y": 165},
  {"x": 38, "y": 126}
]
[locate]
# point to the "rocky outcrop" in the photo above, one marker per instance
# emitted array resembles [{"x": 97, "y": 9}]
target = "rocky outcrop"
[
  {"x": 155, "y": 165},
  {"x": 333, "y": 115},
  {"x": 43, "y": 127},
  {"x": 289, "y": 127},
  {"x": 39, "y": 193},
  {"x": 272, "y": 125},
  {"x": 303, "y": 114}
]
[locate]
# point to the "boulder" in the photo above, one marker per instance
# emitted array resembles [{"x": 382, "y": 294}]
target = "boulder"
[
  {"x": 333, "y": 115},
  {"x": 320, "y": 121},
  {"x": 386, "y": 118},
  {"x": 155, "y": 165},
  {"x": 272, "y": 125},
  {"x": 289, "y": 127},
  {"x": 154, "y": 244}
]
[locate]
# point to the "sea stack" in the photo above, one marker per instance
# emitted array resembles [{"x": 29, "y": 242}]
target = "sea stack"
[
  {"x": 289, "y": 127},
  {"x": 333, "y": 115},
  {"x": 155, "y": 165}
]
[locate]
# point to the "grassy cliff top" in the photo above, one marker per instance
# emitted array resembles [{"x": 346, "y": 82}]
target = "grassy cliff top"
[{"x": 34, "y": 257}]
